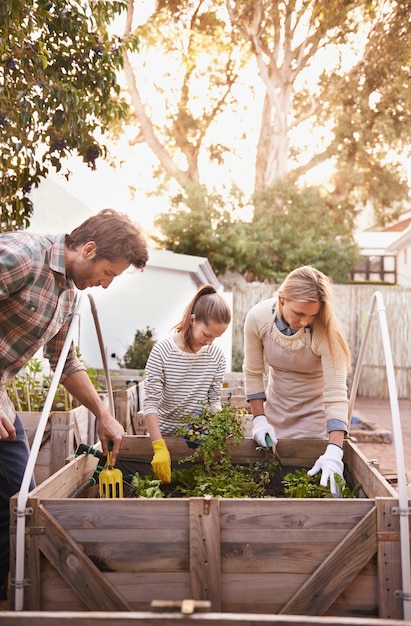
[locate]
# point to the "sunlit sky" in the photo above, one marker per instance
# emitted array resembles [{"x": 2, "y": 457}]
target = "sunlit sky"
[{"x": 108, "y": 187}]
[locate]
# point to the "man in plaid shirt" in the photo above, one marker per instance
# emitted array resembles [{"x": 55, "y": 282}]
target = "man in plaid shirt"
[{"x": 39, "y": 279}]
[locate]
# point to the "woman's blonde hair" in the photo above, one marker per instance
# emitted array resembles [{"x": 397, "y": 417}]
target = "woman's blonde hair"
[
  {"x": 208, "y": 307},
  {"x": 307, "y": 284}
]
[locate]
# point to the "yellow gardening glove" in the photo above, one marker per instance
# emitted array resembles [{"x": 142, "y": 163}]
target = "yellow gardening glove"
[{"x": 161, "y": 462}]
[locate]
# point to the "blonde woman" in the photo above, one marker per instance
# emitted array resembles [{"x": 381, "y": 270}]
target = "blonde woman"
[{"x": 298, "y": 335}]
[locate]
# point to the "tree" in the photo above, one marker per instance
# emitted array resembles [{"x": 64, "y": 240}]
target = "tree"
[
  {"x": 372, "y": 112},
  {"x": 201, "y": 223},
  {"x": 196, "y": 84},
  {"x": 204, "y": 41},
  {"x": 295, "y": 227},
  {"x": 138, "y": 352},
  {"x": 58, "y": 89},
  {"x": 363, "y": 106}
]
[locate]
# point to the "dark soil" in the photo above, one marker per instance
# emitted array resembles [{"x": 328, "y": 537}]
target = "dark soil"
[{"x": 130, "y": 467}]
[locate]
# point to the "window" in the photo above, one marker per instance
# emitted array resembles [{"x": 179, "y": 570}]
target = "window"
[{"x": 375, "y": 269}]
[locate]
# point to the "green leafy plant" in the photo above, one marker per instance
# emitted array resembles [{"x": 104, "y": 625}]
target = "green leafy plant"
[
  {"x": 28, "y": 390},
  {"x": 137, "y": 353},
  {"x": 236, "y": 481},
  {"x": 208, "y": 469},
  {"x": 299, "y": 484},
  {"x": 146, "y": 486},
  {"x": 345, "y": 489},
  {"x": 213, "y": 434}
]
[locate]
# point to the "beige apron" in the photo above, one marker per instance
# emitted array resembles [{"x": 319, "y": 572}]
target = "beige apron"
[{"x": 294, "y": 403}]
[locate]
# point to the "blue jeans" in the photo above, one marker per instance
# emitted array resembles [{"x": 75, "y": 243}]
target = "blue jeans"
[{"x": 13, "y": 460}]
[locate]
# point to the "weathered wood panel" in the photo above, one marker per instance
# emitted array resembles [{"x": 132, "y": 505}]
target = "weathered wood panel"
[{"x": 64, "y": 432}]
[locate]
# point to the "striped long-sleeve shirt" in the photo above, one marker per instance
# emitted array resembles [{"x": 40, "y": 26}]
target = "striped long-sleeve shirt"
[
  {"x": 36, "y": 305},
  {"x": 178, "y": 382}
]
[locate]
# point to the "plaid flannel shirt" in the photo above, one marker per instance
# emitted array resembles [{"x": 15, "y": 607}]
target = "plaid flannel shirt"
[{"x": 36, "y": 305}]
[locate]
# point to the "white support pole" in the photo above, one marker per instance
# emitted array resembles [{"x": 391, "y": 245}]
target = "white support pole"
[
  {"x": 21, "y": 510},
  {"x": 402, "y": 510}
]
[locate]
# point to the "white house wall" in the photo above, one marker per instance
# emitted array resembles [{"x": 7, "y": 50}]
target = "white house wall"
[{"x": 404, "y": 266}]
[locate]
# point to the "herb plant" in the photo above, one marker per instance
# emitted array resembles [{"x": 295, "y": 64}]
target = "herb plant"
[{"x": 299, "y": 484}]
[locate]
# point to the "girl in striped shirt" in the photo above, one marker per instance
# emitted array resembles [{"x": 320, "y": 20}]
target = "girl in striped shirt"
[{"x": 184, "y": 372}]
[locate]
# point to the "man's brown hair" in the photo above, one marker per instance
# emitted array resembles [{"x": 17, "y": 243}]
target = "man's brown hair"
[{"x": 115, "y": 235}]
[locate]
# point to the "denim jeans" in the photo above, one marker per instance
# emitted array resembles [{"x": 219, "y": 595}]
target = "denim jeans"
[{"x": 13, "y": 459}]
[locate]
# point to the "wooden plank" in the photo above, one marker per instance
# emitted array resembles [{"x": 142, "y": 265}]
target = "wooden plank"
[
  {"x": 126, "y": 407},
  {"x": 372, "y": 481},
  {"x": 325, "y": 585},
  {"x": 62, "y": 438},
  {"x": 128, "y": 535},
  {"x": 76, "y": 568},
  {"x": 205, "y": 558},
  {"x": 389, "y": 559},
  {"x": 290, "y": 514},
  {"x": 66, "y": 480},
  {"x": 149, "y": 618}
]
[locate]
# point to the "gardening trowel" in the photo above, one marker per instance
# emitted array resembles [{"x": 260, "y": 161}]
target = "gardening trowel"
[{"x": 273, "y": 446}]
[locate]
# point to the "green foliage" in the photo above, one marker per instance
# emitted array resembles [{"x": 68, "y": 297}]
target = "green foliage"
[
  {"x": 137, "y": 354},
  {"x": 146, "y": 486},
  {"x": 216, "y": 433},
  {"x": 293, "y": 227},
  {"x": 234, "y": 481},
  {"x": 201, "y": 223},
  {"x": 299, "y": 484},
  {"x": 209, "y": 470},
  {"x": 29, "y": 389},
  {"x": 58, "y": 87}
]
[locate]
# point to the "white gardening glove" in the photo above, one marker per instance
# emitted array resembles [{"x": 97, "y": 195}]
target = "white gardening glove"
[
  {"x": 261, "y": 428},
  {"x": 329, "y": 463}
]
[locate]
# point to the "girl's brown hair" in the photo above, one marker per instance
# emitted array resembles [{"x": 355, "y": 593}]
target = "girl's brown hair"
[
  {"x": 307, "y": 284},
  {"x": 208, "y": 307}
]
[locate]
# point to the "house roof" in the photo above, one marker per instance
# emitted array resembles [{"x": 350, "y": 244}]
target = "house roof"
[
  {"x": 198, "y": 266},
  {"x": 399, "y": 226},
  {"x": 387, "y": 241}
]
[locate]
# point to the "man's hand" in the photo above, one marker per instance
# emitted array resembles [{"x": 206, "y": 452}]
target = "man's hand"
[
  {"x": 7, "y": 430},
  {"x": 109, "y": 429}
]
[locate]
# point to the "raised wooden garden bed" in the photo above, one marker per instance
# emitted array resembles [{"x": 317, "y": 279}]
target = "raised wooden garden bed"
[{"x": 320, "y": 557}]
